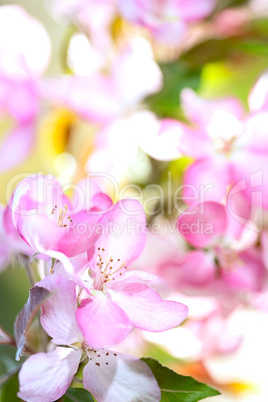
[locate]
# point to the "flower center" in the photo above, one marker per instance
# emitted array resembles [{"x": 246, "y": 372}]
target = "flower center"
[
  {"x": 107, "y": 268},
  {"x": 229, "y": 259},
  {"x": 62, "y": 220}
]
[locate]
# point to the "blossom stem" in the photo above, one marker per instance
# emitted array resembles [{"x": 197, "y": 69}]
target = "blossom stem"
[{"x": 28, "y": 269}]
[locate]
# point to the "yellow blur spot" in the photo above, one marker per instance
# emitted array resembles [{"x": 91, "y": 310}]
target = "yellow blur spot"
[
  {"x": 55, "y": 132},
  {"x": 240, "y": 387}
]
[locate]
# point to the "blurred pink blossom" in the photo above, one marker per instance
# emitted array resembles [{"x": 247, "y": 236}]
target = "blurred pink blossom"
[
  {"x": 166, "y": 20},
  {"x": 23, "y": 58}
]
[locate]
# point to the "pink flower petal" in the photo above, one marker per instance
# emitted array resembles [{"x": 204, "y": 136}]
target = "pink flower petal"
[
  {"x": 38, "y": 204},
  {"x": 168, "y": 139},
  {"x": 65, "y": 268},
  {"x": 124, "y": 224},
  {"x": 258, "y": 97},
  {"x": 135, "y": 73},
  {"x": 5, "y": 250},
  {"x": 195, "y": 10},
  {"x": 200, "y": 110},
  {"x": 203, "y": 146},
  {"x": 102, "y": 322},
  {"x": 255, "y": 137},
  {"x": 239, "y": 212},
  {"x": 195, "y": 269},
  {"x": 159, "y": 139},
  {"x": 32, "y": 44},
  {"x": 17, "y": 146},
  {"x": 207, "y": 180},
  {"x": 264, "y": 242},
  {"x": 58, "y": 312},
  {"x": 203, "y": 223},
  {"x": 248, "y": 273},
  {"x": 108, "y": 156},
  {"x": 93, "y": 98},
  {"x": 93, "y": 196},
  {"x": 47, "y": 376},
  {"x": 169, "y": 32},
  {"x": 250, "y": 172},
  {"x": 11, "y": 235},
  {"x": 119, "y": 377},
  {"x": 157, "y": 250},
  {"x": 132, "y": 276},
  {"x": 145, "y": 308}
]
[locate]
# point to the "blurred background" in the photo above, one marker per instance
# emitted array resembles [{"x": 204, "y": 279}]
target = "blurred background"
[{"x": 95, "y": 71}]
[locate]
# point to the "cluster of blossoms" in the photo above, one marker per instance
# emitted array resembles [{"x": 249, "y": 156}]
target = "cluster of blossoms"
[
  {"x": 95, "y": 300},
  {"x": 108, "y": 275}
]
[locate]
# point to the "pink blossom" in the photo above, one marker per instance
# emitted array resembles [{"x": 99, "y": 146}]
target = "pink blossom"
[
  {"x": 47, "y": 221},
  {"x": 225, "y": 251},
  {"x": 166, "y": 20},
  {"x": 107, "y": 155},
  {"x": 5, "y": 247},
  {"x": 239, "y": 159},
  {"x": 108, "y": 375},
  {"x": 215, "y": 334},
  {"x": 96, "y": 25},
  {"x": 23, "y": 58},
  {"x": 114, "y": 300},
  {"x": 133, "y": 74},
  {"x": 11, "y": 243}
]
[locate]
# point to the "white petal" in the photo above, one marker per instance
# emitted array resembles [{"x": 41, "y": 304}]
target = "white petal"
[
  {"x": 58, "y": 311},
  {"x": 47, "y": 376},
  {"x": 124, "y": 379}
]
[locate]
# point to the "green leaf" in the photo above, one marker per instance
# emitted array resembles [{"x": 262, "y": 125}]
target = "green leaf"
[
  {"x": 178, "y": 388},
  {"x": 77, "y": 395}
]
